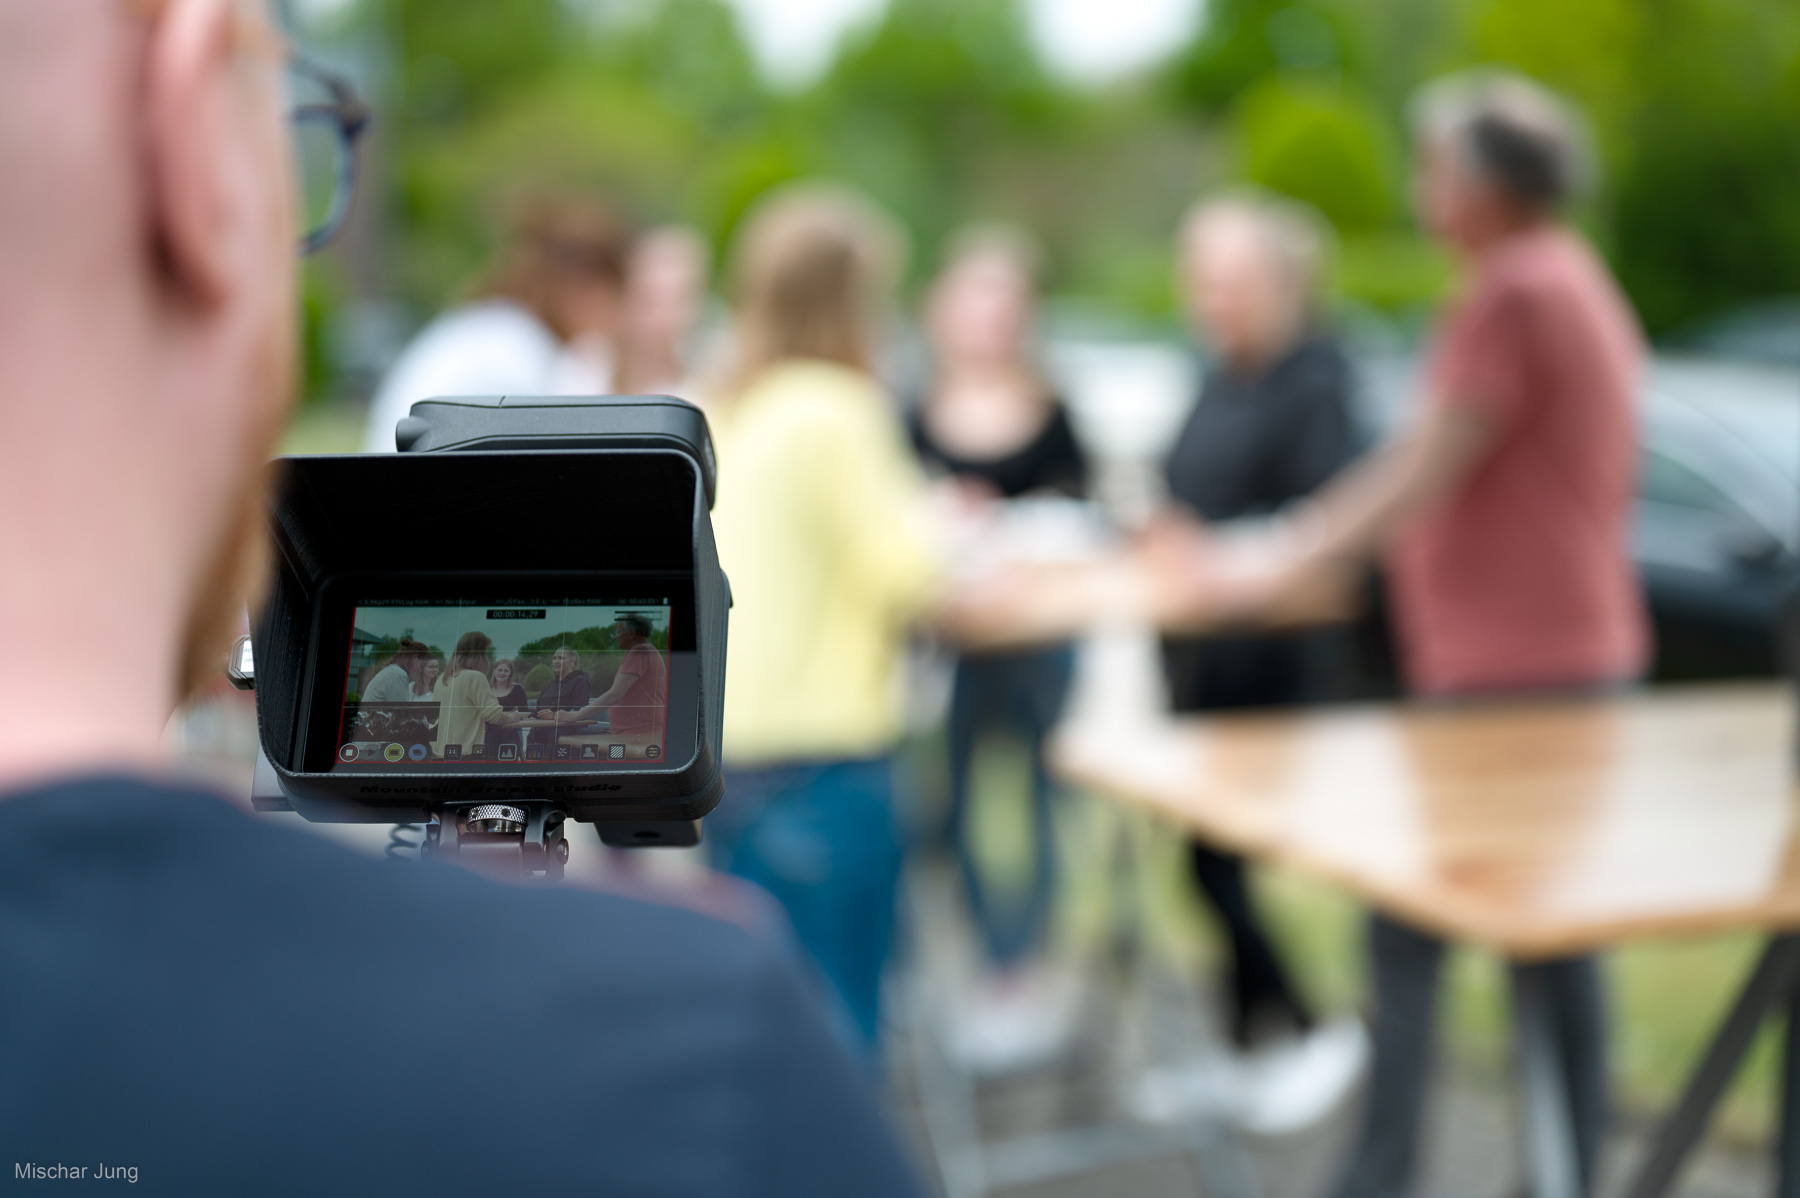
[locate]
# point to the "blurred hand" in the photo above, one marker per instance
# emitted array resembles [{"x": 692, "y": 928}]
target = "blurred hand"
[
  {"x": 546, "y": 714},
  {"x": 1199, "y": 584},
  {"x": 1177, "y": 551},
  {"x": 1017, "y": 604},
  {"x": 962, "y": 507},
  {"x": 1180, "y": 575},
  {"x": 969, "y": 493}
]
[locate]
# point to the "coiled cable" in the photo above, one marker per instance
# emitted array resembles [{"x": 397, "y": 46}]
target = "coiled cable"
[{"x": 399, "y": 848}]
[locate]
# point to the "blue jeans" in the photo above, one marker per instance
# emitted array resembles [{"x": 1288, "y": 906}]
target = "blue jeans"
[
  {"x": 1021, "y": 693},
  {"x": 821, "y": 838}
]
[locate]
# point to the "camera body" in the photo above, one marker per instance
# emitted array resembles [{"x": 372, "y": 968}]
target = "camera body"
[{"x": 523, "y": 607}]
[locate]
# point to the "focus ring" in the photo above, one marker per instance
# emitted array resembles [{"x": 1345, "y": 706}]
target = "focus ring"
[{"x": 489, "y": 812}]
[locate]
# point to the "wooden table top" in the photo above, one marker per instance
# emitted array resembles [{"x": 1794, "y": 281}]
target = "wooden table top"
[{"x": 1539, "y": 828}]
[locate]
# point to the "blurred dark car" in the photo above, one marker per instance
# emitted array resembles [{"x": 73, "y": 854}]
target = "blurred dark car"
[
  {"x": 1763, "y": 331},
  {"x": 1718, "y": 532},
  {"x": 1717, "y": 539}
]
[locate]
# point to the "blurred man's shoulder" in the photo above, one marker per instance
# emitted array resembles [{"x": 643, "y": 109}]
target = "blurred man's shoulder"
[
  {"x": 1541, "y": 263},
  {"x": 192, "y": 854},
  {"x": 203, "y": 993}
]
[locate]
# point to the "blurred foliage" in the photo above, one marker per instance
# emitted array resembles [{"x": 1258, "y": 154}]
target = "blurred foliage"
[
  {"x": 1244, "y": 42},
  {"x": 320, "y": 294},
  {"x": 1322, "y": 144},
  {"x": 1694, "y": 106},
  {"x": 1391, "y": 270},
  {"x": 944, "y": 111},
  {"x": 1707, "y": 201}
]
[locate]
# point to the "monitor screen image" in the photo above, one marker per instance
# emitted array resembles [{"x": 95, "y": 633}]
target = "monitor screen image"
[{"x": 512, "y": 682}]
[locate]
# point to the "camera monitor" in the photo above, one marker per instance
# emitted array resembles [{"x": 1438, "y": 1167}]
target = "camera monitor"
[
  {"x": 570, "y": 684},
  {"x": 522, "y": 613}
]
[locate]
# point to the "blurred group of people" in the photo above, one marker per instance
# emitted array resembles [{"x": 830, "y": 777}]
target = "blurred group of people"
[
  {"x": 468, "y": 713},
  {"x": 1500, "y": 515}
]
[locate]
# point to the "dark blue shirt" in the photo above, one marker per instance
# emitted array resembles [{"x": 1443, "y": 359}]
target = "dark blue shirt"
[
  {"x": 229, "y": 1006},
  {"x": 1252, "y": 445}
]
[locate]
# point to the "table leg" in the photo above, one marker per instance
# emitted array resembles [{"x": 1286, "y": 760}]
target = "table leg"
[
  {"x": 1549, "y": 1127},
  {"x": 1787, "y": 1176},
  {"x": 1771, "y": 985}
]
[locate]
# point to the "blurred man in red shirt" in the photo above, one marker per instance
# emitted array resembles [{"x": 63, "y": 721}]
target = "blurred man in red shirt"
[{"x": 1504, "y": 516}]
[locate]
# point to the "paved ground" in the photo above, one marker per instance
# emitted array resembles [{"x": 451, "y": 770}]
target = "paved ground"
[
  {"x": 1146, "y": 1012},
  {"x": 1470, "y": 1151}
]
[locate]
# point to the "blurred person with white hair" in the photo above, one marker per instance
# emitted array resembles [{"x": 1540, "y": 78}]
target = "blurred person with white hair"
[
  {"x": 544, "y": 320},
  {"x": 824, "y": 531},
  {"x": 991, "y": 423},
  {"x": 1504, "y": 514},
  {"x": 1272, "y": 424}
]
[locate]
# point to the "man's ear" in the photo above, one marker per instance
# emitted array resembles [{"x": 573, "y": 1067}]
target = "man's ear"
[{"x": 186, "y": 97}]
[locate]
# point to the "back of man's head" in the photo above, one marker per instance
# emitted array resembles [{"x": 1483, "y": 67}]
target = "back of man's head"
[
  {"x": 230, "y": 1008},
  {"x": 146, "y": 276},
  {"x": 1515, "y": 133}
]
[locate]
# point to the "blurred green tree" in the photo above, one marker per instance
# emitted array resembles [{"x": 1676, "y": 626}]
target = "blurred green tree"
[
  {"x": 918, "y": 108},
  {"x": 636, "y": 99},
  {"x": 1319, "y": 143},
  {"x": 944, "y": 111},
  {"x": 1243, "y": 42},
  {"x": 1706, "y": 202}
]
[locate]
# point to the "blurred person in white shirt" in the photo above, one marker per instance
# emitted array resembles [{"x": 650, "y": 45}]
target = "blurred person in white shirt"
[
  {"x": 544, "y": 321},
  {"x": 393, "y": 682}
]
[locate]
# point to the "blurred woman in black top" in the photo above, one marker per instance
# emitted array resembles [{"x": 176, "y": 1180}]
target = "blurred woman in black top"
[
  {"x": 1272, "y": 423},
  {"x": 510, "y": 695},
  {"x": 990, "y": 421}
]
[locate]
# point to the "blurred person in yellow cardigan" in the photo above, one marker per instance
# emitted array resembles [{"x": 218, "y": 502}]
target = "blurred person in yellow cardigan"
[{"x": 824, "y": 530}]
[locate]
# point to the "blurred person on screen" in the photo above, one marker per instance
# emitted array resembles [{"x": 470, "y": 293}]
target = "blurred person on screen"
[
  {"x": 990, "y": 421},
  {"x": 823, "y": 530},
  {"x": 430, "y": 670},
  {"x": 395, "y": 680},
  {"x": 467, "y": 708},
  {"x": 639, "y": 693},
  {"x": 1272, "y": 423},
  {"x": 507, "y": 692},
  {"x": 665, "y": 299},
  {"x": 225, "y": 1003},
  {"x": 544, "y": 321},
  {"x": 569, "y": 687},
  {"x": 1504, "y": 514},
  {"x": 504, "y": 687}
]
